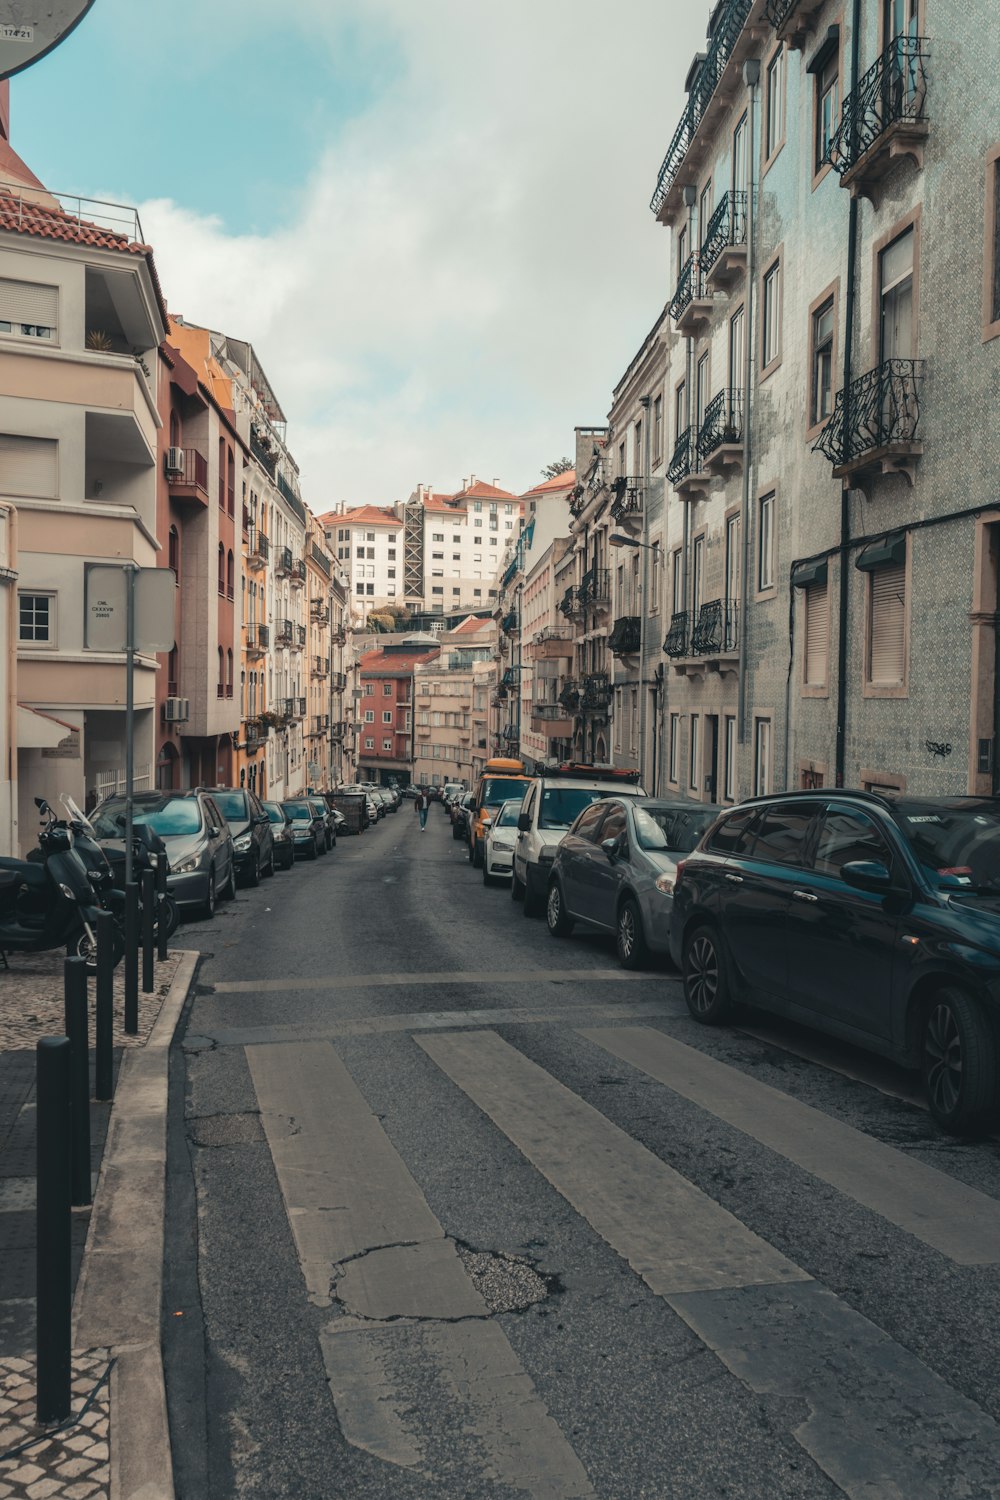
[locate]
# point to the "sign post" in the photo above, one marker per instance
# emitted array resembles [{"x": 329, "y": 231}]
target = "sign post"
[{"x": 29, "y": 29}]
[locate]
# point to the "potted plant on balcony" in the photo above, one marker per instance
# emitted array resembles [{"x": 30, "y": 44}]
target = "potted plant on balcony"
[{"x": 99, "y": 340}]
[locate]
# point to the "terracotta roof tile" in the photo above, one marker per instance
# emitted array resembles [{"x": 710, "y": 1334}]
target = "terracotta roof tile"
[
  {"x": 393, "y": 661},
  {"x": 472, "y": 626},
  {"x": 564, "y": 481},
  {"x": 362, "y": 515},
  {"x": 483, "y": 491}
]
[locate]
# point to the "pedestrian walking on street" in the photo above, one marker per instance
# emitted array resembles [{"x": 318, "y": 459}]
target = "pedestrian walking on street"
[{"x": 421, "y": 805}]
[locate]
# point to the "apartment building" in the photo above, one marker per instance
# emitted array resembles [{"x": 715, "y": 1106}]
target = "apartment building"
[
  {"x": 319, "y": 652},
  {"x": 832, "y": 582},
  {"x": 446, "y": 740},
  {"x": 454, "y": 544},
  {"x": 11, "y": 714},
  {"x": 81, "y": 320},
  {"x": 547, "y": 650},
  {"x": 385, "y": 750},
  {"x": 343, "y": 677},
  {"x": 367, "y": 541}
]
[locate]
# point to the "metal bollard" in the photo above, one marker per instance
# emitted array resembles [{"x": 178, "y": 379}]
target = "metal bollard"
[
  {"x": 52, "y": 1214},
  {"x": 105, "y": 1007},
  {"x": 161, "y": 897},
  {"x": 75, "y": 994},
  {"x": 131, "y": 959},
  {"x": 148, "y": 913}
]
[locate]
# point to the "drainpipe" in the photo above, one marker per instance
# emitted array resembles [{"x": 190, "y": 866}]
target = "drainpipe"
[
  {"x": 751, "y": 77},
  {"x": 689, "y": 195},
  {"x": 644, "y": 608},
  {"x": 845, "y": 496}
]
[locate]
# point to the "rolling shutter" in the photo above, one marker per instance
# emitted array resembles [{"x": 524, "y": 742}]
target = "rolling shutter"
[
  {"x": 27, "y": 302},
  {"x": 817, "y": 633},
  {"x": 887, "y": 641},
  {"x": 28, "y": 466}
]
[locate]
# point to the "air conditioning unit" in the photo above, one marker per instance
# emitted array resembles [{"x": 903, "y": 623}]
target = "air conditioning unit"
[
  {"x": 176, "y": 710},
  {"x": 175, "y": 460}
]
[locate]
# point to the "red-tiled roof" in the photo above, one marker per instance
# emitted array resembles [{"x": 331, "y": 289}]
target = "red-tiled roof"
[
  {"x": 443, "y": 503},
  {"x": 388, "y": 663},
  {"x": 472, "y": 626},
  {"x": 564, "y": 481},
  {"x": 362, "y": 515},
  {"x": 483, "y": 491}
]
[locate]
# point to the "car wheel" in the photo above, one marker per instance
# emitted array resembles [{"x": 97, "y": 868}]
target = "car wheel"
[
  {"x": 477, "y": 855},
  {"x": 313, "y": 850},
  {"x": 208, "y": 905},
  {"x": 533, "y": 904},
  {"x": 487, "y": 877},
  {"x": 270, "y": 865},
  {"x": 516, "y": 887},
  {"x": 228, "y": 891},
  {"x": 959, "y": 1063},
  {"x": 254, "y": 877},
  {"x": 559, "y": 923},
  {"x": 633, "y": 951},
  {"x": 706, "y": 984},
  {"x": 171, "y": 914},
  {"x": 468, "y": 850}
]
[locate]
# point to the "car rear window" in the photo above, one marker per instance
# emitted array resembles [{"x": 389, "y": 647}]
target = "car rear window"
[
  {"x": 299, "y": 812},
  {"x": 562, "y": 804},
  {"x": 170, "y": 818},
  {"x": 231, "y": 805},
  {"x": 497, "y": 789},
  {"x": 783, "y": 833},
  {"x": 674, "y": 828},
  {"x": 732, "y": 835}
]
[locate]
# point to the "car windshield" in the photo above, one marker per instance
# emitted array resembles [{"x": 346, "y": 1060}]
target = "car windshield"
[
  {"x": 562, "y": 805},
  {"x": 299, "y": 812},
  {"x": 273, "y": 812},
  {"x": 173, "y": 816},
  {"x": 960, "y": 839},
  {"x": 507, "y": 816},
  {"x": 497, "y": 789},
  {"x": 675, "y": 828},
  {"x": 232, "y": 805}
]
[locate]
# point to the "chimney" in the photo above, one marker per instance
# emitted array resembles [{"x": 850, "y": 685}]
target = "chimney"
[
  {"x": 496, "y": 481},
  {"x": 465, "y": 484},
  {"x": 472, "y": 480}
]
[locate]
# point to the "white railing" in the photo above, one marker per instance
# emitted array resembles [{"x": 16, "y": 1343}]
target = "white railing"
[{"x": 112, "y": 783}]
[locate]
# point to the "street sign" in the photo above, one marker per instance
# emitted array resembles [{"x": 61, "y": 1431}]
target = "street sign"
[
  {"x": 31, "y": 28},
  {"x": 106, "y": 608}
]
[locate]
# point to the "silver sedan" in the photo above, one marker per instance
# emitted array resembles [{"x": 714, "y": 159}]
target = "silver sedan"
[{"x": 615, "y": 870}]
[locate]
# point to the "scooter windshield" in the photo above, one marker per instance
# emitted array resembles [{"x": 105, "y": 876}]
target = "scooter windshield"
[{"x": 75, "y": 815}]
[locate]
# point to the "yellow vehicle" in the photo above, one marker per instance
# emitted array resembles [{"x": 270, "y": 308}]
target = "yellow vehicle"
[{"x": 502, "y": 780}]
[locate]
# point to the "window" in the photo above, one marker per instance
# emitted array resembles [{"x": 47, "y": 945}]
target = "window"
[
  {"x": 28, "y": 310},
  {"x": 657, "y": 429},
  {"x": 390, "y": 572},
  {"x": 784, "y": 832},
  {"x": 637, "y": 464},
  {"x": 369, "y": 744},
  {"x": 887, "y": 626},
  {"x": 732, "y": 558},
  {"x": 774, "y": 105},
  {"x": 847, "y": 836},
  {"x": 392, "y": 554},
  {"x": 387, "y": 744},
  {"x": 369, "y": 589},
  {"x": 369, "y": 536},
  {"x": 729, "y": 760},
  {"x": 477, "y": 505},
  {"x": 655, "y": 558},
  {"x": 174, "y": 552},
  {"x": 827, "y": 107},
  {"x": 771, "y": 317},
  {"x": 361, "y": 552},
  {"x": 677, "y": 581},
  {"x": 737, "y": 347},
  {"x": 478, "y": 521},
  {"x": 693, "y": 753},
  {"x": 221, "y": 571},
  {"x": 371, "y": 553},
  {"x": 697, "y": 574},
  {"x": 387, "y": 716},
  {"x": 817, "y": 633},
  {"x": 734, "y": 833},
  {"x": 369, "y": 716},
  {"x": 682, "y": 248},
  {"x": 387, "y": 690},
  {"x": 28, "y": 465},
  {"x": 36, "y": 619},
  {"x": 991, "y": 254},
  {"x": 680, "y": 407},
  {"x": 589, "y": 822},
  {"x": 761, "y": 757},
  {"x": 740, "y": 156},
  {"x": 369, "y": 689},
  {"x": 359, "y": 588},
  {"x": 765, "y": 542},
  {"x": 896, "y": 299},
  {"x": 821, "y": 376},
  {"x": 437, "y": 536}
]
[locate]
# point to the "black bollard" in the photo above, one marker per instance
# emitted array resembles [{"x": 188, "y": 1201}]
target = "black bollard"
[
  {"x": 75, "y": 993},
  {"x": 148, "y": 913},
  {"x": 161, "y": 903},
  {"x": 52, "y": 1212},
  {"x": 132, "y": 959},
  {"x": 105, "y": 1006}
]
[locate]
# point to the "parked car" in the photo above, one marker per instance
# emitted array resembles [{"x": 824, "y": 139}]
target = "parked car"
[
  {"x": 616, "y": 867},
  {"x": 551, "y": 804},
  {"x": 253, "y": 842},
  {"x": 308, "y": 827},
  {"x": 453, "y": 791},
  {"x": 199, "y": 843},
  {"x": 281, "y": 832},
  {"x": 501, "y": 780},
  {"x": 319, "y": 804},
  {"x": 874, "y": 917},
  {"x": 460, "y": 811},
  {"x": 498, "y": 853},
  {"x": 410, "y": 792}
]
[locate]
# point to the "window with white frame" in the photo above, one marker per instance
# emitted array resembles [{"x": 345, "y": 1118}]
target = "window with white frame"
[
  {"x": 29, "y": 466},
  {"x": 729, "y": 759},
  {"x": 369, "y": 716},
  {"x": 886, "y": 654},
  {"x": 387, "y": 690},
  {"x": 28, "y": 310},
  {"x": 771, "y": 315},
  {"x": 761, "y": 757},
  {"x": 369, "y": 744},
  {"x": 694, "y": 752},
  {"x": 817, "y": 634},
  {"x": 765, "y": 542},
  {"x": 774, "y": 103},
  {"x": 387, "y": 744},
  {"x": 36, "y": 619},
  {"x": 387, "y": 716}
]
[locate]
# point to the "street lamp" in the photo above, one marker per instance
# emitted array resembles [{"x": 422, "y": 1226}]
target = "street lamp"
[{"x": 618, "y": 539}]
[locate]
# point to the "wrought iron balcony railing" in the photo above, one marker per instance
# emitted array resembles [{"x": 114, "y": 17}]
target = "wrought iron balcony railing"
[
  {"x": 595, "y": 589},
  {"x": 628, "y": 498},
  {"x": 685, "y": 453},
  {"x": 298, "y": 570},
  {"x": 715, "y": 631},
  {"x": 320, "y": 666},
  {"x": 882, "y": 410},
  {"x": 722, "y": 424},
  {"x": 676, "y": 643},
  {"x": 893, "y": 91},
  {"x": 569, "y": 604},
  {"x": 724, "y": 38},
  {"x": 726, "y": 227},
  {"x": 258, "y": 546},
  {"x": 283, "y": 632},
  {"x": 193, "y": 475},
  {"x": 257, "y": 639},
  {"x": 262, "y": 454},
  {"x": 687, "y": 287},
  {"x": 320, "y": 722},
  {"x": 509, "y": 678},
  {"x": 509, "y": 622},
  {"x": 318, "y": 612},
  {"x": 284, "y": 488},
  {"x": 299, "y": 638},
  {"x": 569, "y": 696},
  {"x": 283, "y": 560},
  {"x": 626, "y": 636},
  {"x": 596, "y": 691}
]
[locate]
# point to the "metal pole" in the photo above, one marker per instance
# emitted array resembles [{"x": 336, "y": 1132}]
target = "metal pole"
[
  {"x": 751, "y": 78},
  {"x": 132, "y": 959},
  {"x": 644, "y": 402},
  {"x": 129, "y": 712},
  {"x": 104, "y": 1006},
  {"x": 52, "y": 1215},
  {"x": 75, "y": 998},
  {"x": 161, "y": 906},
  {"x": 148, "y": 908}
]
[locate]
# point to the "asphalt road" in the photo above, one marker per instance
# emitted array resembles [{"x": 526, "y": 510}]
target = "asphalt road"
[{"x": 456, "y": 1209}]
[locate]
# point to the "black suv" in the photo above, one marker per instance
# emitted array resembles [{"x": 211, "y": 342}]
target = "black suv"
[
  {"x": 253, "y": 841},
  {"x": 873, "y": 917}
]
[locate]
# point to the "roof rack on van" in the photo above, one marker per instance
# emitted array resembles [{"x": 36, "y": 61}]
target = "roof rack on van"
[
  {"x": 594, "y": 773},
  {"x": 881, "y": 799}
]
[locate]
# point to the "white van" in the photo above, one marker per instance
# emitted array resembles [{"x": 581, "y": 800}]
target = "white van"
[{"x": 551, "y": 804}]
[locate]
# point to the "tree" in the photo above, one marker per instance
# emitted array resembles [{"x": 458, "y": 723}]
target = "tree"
[{"x": 558, "y": 466}]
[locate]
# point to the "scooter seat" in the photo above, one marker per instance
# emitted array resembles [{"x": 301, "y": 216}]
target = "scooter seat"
[{"x": 16, "y": 872}]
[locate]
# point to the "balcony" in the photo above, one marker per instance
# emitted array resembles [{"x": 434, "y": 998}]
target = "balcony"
[
  {"x": 715, "y": 632},
  {"x": 552, "y": 648},
  {"x": 626, "y": 636},
  {"x": 338, "y": 729},
  {"x": 258, "y": 639},
  {"x": 338, "y": 681},
  {"x": 299, "y": 638},
  {"x": 570, "y": 696},
  {"x": 191, "y": 481},
  {"x": 628, "y": 501},
  {"x": 255, "y": 730},
  {"x": 883, "y": 119},
  {"x": 596, "y": 693},
  {"x": 284, "y": 631},
  {"x": 569, "y": 604},
  {"x": 875, "y": 429},
  {"x": 689, "y": 307},
  {"x": 283, "y": 562},
  {"x": 288, "y": 491},
  {"x": 298, "y": 572},
  {"x": 260, "y": 447},
  {"x": 320, "y": 723},
  {"x": 318, "y": 612},
  {"x": 258, "y": 547},
  {"x": 509, "y": 678},
  {"x": 595, "y": 589},
  {"x": 509, "y": 623},
  {"x": 551, "y": 719},
  {"x": 793, "y": 20},
  {"x": 676, "y": 643},
  {"x": 298, "y": 708},
  {"x": 720, "y": 439},
  {"x": 321, "y": 666},
  {"x": 684, "y": 471},
  {"x": 724, "y": 248}
]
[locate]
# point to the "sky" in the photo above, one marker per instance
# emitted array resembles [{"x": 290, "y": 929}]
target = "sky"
[{"x": 430, "y": 217}]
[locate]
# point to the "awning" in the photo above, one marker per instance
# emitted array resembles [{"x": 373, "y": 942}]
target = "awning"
[
  {"x": 889, "y": 552},
  {"x": 807, "y": 573},
  {"x": 38, "y": 731}
]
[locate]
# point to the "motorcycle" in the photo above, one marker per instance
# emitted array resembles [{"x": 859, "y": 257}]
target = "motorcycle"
[
  {"x": 105, "y": 864},
  {"x": 50, "y": 901}
]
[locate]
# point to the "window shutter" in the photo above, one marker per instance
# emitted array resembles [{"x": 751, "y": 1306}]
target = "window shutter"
[
  {"x": 27, "y": 302},
  {"x": 27, "y": 466},
  {"x": 817, "y": 633},
  {"x": 887, "y": 654}
]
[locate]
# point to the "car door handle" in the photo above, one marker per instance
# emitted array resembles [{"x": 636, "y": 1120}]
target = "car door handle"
[
  {"x": 804, "y": 896},
  {"x": 735, "y": 879}
]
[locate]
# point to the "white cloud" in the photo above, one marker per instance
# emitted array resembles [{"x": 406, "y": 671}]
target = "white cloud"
[{"x": 473, "y": 263}]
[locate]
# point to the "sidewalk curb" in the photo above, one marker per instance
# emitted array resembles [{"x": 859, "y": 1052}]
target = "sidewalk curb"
[{"x": 117, "y": 1302}]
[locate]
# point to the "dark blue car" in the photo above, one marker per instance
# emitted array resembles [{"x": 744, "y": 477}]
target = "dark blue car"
[{"x": 875, "y": 917}]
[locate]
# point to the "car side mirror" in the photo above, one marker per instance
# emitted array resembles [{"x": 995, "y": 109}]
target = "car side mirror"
[
  {"x": 610, "y": 847},
  {"x": 524, "y": 822},
  {"x": 867, "y": 875},
  {"x": 213, "y": 832}
]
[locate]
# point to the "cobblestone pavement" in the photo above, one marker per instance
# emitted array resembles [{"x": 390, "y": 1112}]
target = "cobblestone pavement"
[
  {"x": 72, "y": 1463},
  {"x": 31, "y": 1000}
]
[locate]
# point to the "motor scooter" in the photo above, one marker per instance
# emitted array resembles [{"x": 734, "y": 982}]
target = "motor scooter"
[
  {"x": 49, "y": 902},
  {"x": 105, "y": 863}
]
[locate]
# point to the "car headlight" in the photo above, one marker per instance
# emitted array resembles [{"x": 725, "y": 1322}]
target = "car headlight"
[
  {"x": 497, "y": 844},
  {"x": 665, "y": 884},
  {"x": 242, "y": 844},
  {"x": 186, "y": 866},
  {"x": 280, "y": 835}
]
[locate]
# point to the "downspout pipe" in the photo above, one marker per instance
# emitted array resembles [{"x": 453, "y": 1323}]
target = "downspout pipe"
[
  {"x": 644, "y": 603},
  {"x": 850, "y": 294},
  {"x": 751, "y": 78},
  {"x": 689, "y": 194}
]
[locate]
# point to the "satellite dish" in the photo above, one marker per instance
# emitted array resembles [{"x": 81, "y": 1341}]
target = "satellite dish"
[{"x": 31, "y": 28}]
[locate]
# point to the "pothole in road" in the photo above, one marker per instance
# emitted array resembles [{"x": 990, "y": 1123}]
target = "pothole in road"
[{"x": 506, "y": 1283}]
